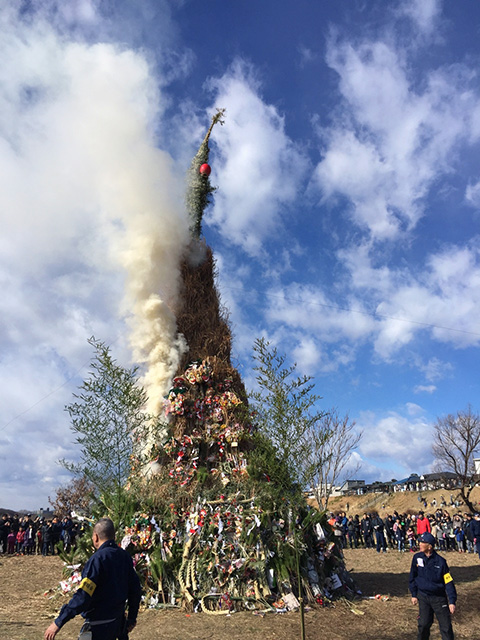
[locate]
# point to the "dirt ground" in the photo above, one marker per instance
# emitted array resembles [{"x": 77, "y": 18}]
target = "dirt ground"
[{"x": 25, "y": 610}]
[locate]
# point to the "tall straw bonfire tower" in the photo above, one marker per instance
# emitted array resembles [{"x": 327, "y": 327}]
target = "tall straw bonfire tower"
[{"x": 216, "y": 533}]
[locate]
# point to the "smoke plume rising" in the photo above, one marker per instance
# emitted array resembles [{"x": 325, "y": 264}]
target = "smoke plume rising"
[{"x": 97, "y": 205}]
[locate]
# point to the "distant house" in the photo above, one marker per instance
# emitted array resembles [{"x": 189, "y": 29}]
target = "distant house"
[
  {"x": 428, "y": 481},
  {"x": 412, "y": 483},
  {"x": 352, "y": 487},
  {"x": 378, "y": 487},
  {"x": 476, "y": 462},
  {"x": 440, "y": 480}
]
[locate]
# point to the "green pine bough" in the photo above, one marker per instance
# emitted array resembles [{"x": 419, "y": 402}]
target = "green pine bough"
[{"x": 199, "y": 186}]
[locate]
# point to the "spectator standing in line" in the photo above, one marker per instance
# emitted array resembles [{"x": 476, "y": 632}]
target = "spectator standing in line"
[
  {"x": 338, "y": 531},
  {"x": 432, "y": 588},
  {"x": 20, "y": 537},
  {"x": 38, "y": 539},
  {"x": 389, "y": 522},
  {"x": 440, "y": 535},
  {"x": 29, "y": 540},
  {"x": 399, "y": 529},
  {"x": 358, "y": 529},
  {"x": 460, "y": 539},
  {"x": 11, "y": 542},
  {"x": 4, "y": 531},
  {"x": 15, "y": 525},
  {"x": 457, "y": 520},
  {"x": 378, "y": 528},
  {"x": 46, "y": 538},
  {"x": 475, "y": 528},
  {"x": 468, "y": 533},
  {"x": 351, "y": 533},
  {"x": 56, "y": 533},
  {"x": 66, "y": 535},
  {"x": 367, "y": 531},
  {"x": 423, "y": 524},
  {"x": 449, "y": 534},
  {"x": 411, "y": 539},
  {"x": 344, "y": 522}
]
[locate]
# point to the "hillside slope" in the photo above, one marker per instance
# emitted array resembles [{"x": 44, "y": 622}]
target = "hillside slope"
[{"x": 402, "y": 502}]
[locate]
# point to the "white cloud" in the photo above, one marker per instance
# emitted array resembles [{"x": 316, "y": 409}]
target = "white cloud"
[
  {"x": 307, "y": 355},
  {"x": 424, "y": 13},
  {"x": 444, "y": 302},
  {"x": 420, "y": 388},
  {"x": 472, "y": 194},
  {"x": 435, "y": 369},
  {"x": 257, "y": 164},
  {"x": 387, "y": 307},
  {"x": 307, "y": 307},
  {"x": 413, "y": 409},
  {"x": 367, "y": 470},
  {"x": 393, "y": 137},
  {"x": 78, "y": 11},
  {"x": 440, "y": 297},
  {"x": 364, "y": 272},
  {"x": 402, "y": 442}
]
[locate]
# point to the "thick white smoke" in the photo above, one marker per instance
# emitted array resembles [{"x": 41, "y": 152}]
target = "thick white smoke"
[{"x": 83, "y": 174}]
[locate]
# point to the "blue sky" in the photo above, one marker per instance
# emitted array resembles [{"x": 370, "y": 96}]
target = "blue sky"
[{"x": 345, "y": 224}]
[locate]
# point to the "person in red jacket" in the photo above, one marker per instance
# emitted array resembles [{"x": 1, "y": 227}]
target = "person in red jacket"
[{"x": 423, "y": 524}]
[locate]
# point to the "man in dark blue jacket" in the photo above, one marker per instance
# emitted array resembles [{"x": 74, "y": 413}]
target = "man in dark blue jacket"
[
  {"x": 108, "y": 582},
  {"x": 475, "y": 532},
  {"x": 378, "y": 528},
  {"x": 432, "y": 588}
]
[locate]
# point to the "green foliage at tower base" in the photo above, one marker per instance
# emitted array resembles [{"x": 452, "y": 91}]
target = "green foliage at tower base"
[{"x": 219, "y": 534}]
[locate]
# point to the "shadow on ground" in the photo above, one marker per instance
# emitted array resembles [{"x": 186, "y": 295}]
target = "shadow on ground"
[{"x": 393, "y": 584}]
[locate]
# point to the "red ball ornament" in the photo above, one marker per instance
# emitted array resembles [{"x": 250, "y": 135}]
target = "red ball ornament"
[{"x": 205, "y": 169}]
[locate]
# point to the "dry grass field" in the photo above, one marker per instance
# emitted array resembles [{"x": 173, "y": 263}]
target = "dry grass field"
[{"x": 25, "y": 611}]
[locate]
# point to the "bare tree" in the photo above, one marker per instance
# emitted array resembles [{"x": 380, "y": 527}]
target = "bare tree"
[
  {"x": 456, "y": 438},
  {"x": 330, "y": 454},
  {"x": 75, "y": 496}
]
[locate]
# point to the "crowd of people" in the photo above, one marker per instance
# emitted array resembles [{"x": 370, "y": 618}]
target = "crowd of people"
[
  {"x": 459, "y": 532},
  {"x": 26, "y": 535}
]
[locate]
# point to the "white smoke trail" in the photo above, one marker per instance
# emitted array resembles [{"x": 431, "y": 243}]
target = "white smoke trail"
[
  {"x": 141, "y": 200},
  {"x": 78, "y": 121}
]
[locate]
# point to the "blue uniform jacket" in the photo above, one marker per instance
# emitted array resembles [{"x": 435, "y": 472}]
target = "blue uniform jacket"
[
  {"x": 475, "y": 529},
  {"x": 430, "y": 575},
  {"x": 108, "y": 581}
]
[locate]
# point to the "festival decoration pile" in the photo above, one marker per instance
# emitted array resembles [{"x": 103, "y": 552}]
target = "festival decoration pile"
[
  {"x": 226, "y": 555},
  {"x": 218, "y": 534}
]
